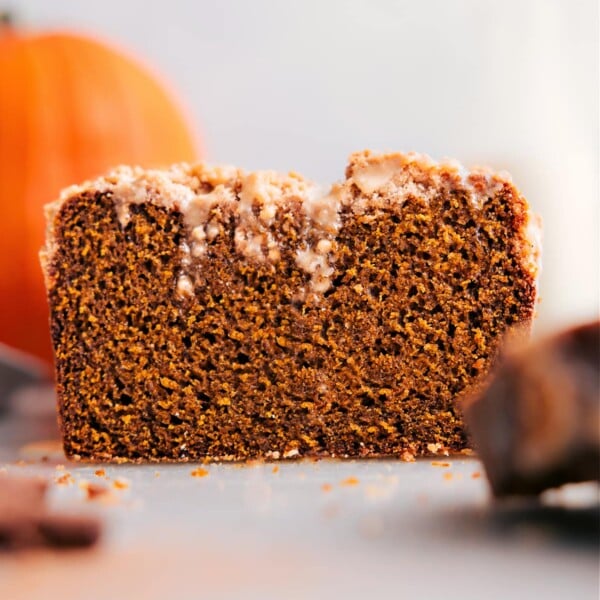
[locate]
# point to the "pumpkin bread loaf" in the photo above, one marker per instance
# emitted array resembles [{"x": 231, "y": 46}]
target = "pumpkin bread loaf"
[{"x": 206, "y": 313}]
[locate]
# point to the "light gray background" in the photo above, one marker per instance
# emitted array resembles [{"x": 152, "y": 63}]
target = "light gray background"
[{"x": 299, "y": 85}]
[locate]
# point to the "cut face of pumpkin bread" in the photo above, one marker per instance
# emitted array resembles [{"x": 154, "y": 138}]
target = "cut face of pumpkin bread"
[{"x": 208, "y": 313}]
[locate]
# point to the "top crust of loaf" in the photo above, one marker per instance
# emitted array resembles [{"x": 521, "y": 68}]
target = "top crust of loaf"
[{"x": 373, "y": 181}]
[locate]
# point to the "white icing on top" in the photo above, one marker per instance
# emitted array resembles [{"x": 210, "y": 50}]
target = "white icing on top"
[
  {"x": 321, "y": 224},
  {"x": 396, "y": 177},
  {"x": 260, "y": 200},
  {"x": 185, "y": 287}
]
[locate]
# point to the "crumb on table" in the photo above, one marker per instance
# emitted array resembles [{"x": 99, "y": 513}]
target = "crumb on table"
[
  {"x": 350, "y": 481},
  {"x": 199, "y": 472},
  {"x": 65, "y": 479},
  {"x": 94, "y": 490}
]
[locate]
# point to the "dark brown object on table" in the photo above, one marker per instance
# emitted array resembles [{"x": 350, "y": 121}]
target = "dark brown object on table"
[
  {"x": 22, "y": 504},
  {"x": 62, "y": 530},
  {"x": 25, "y": 520},
  {"x": 208, "y": 313},
  {"x": 537, "y": 423}
]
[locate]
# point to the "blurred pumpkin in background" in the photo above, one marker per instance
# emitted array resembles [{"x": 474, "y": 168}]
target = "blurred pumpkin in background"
[{"x": 70, "y": 108}]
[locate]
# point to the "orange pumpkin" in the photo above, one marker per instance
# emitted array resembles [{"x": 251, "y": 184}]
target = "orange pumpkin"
[{"x": 70, "y": 108}]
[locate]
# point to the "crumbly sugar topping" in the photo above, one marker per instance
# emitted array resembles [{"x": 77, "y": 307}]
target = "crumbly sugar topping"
[
  {"x": 202, "y": 192},
  {"x": 395, "y": 177}
]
